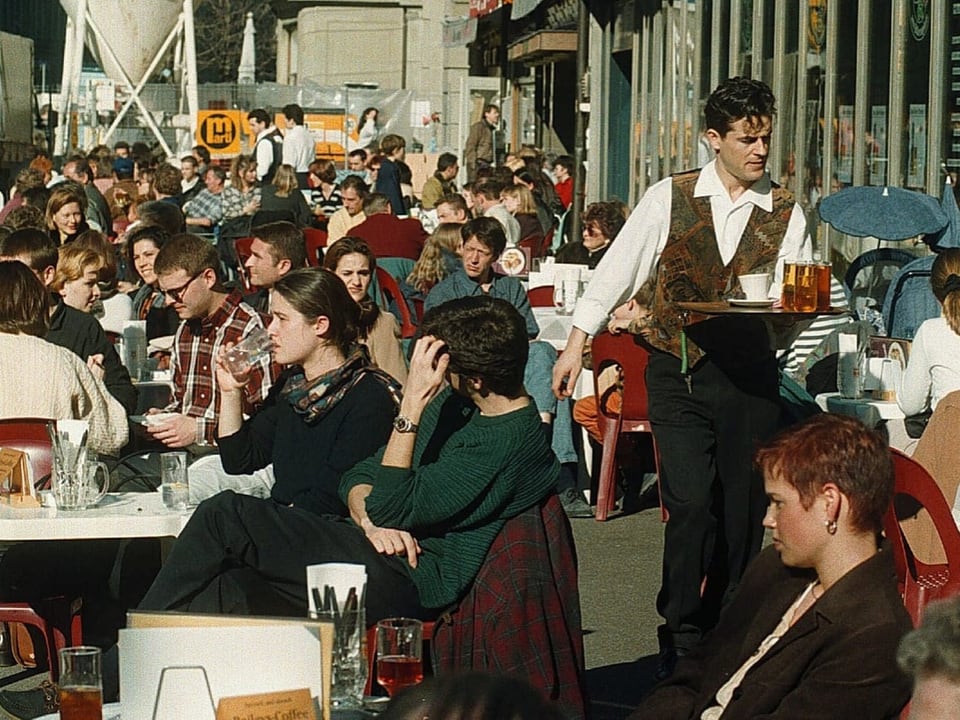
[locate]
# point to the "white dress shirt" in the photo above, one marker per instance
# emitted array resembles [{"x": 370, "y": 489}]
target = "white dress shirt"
[
  {"x": 634, "y": 254},
  {"x": 298, "y": 148}
]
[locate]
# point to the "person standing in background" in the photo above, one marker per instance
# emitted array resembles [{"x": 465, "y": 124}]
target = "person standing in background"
[
  {"x": 480, "y": 149},
  {"x": 298, "y": 145}
]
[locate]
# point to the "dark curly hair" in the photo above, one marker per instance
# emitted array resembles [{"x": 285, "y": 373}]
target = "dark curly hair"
[
  {"x": 738, "y": 98},
  {"x": 608, "y": 217}
]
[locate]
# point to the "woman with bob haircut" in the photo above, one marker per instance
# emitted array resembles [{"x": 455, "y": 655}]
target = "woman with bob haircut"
[
  {"x": 65, "y": 213},
  {"x": 330, "y": 408},
  {"x": 352, "y": 260},
  {"x": 814, "y": 627},
  {"x": 40, "y": 379}
]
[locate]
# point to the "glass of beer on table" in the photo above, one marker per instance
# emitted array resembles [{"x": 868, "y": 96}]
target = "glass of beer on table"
[
  {"x": 823, "y": 285},
  {"x": 805, "y": 292},
  {"x": 788, "y": 294},
  {"x": 399, "y": 653},
  {"x": 81, "y": 683}
]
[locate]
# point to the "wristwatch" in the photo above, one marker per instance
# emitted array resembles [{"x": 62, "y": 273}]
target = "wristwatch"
[{"x": 404, "y": 424}]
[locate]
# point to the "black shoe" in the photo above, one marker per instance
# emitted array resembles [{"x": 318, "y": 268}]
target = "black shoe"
[
  {"x": 29, "y": 704},
  {"x": 574, "y": 505},
  {"x": 667, "y": 662}
]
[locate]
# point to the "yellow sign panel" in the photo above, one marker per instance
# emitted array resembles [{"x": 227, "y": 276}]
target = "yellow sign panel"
[{"x": 220, "y": 131}]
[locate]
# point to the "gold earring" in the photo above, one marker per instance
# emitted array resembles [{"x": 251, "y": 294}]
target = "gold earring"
[{"x": 831, "y": 526}]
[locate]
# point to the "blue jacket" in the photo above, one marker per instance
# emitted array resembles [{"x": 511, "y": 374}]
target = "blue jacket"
[{"x": 458, "y": 285}]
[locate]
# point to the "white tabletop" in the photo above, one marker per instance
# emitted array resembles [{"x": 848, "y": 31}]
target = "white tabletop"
[
  {"x": 554, "y": 327},
  {"x": 867, "y": 409},
  {"x": 118, "y": 515},
  {"x": 111, "y": 711}
]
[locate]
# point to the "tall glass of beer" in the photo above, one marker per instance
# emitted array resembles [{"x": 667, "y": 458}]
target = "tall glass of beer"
[{"x": 81, "y": 683}]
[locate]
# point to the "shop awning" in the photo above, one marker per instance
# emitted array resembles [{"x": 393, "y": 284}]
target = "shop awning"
[
  {"x": 543, "y": 46},
  {"x": 458, "y": 32}
]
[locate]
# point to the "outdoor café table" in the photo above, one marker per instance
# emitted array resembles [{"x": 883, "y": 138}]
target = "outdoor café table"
[
  {"x": 872, "y": 413},
  {"x": 113, "y": 711},
  {"x": 117, "y": 515}
]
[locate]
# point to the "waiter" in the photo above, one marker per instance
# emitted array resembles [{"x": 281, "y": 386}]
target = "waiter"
[{"x": 712, "y": 387}]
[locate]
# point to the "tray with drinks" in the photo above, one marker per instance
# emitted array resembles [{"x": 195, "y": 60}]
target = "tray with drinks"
[{"x": 724, "y": 307}]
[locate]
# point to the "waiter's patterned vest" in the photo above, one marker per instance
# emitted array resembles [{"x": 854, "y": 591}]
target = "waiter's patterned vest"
[{"x": 691, "y": 269}]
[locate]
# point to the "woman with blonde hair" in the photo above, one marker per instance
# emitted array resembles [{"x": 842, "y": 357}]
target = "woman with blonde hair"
[
  {"x": 114, "y": 308},
  {"x": 65, "y": 213},
  {"x": 242, "y": 196},
  {"x": 519, "y": 200},
  {"x": 439, "y": 258},
  {"x": 77, "y": 277},
  {"x": 933, "y": 370},
  {"x": 283, "y": 200}
]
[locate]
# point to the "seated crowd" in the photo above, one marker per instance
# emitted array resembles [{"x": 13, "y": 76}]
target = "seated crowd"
[{"x": 408, "y": 449}]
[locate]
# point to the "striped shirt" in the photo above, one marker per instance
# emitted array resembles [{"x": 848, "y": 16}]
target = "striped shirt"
[
  {"x": 811, "y": 337},
  {"x": 196, "y": 345}
]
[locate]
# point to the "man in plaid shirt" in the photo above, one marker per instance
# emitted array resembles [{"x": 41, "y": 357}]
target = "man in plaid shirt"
[
  {"x": 187, "y": 275},
  {"x": 206, "y": 209}
]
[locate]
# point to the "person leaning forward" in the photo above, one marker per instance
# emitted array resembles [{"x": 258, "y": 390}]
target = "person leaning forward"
[{"x": 712, "y": 397}]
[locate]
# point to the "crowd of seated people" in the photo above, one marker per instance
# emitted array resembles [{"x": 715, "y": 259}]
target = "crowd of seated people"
[{"x": 417, "y": 459}]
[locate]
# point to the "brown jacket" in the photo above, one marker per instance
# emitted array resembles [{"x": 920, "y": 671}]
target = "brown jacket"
[
  {"x": 837, "y": 661},
  {"x": 479, "y": 146}
]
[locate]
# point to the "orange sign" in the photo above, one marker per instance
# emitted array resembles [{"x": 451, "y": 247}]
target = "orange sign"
[{"x": 220, "y": 131}]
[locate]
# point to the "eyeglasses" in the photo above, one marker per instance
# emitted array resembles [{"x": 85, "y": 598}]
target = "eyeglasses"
[{"x": 176, "y": 294}]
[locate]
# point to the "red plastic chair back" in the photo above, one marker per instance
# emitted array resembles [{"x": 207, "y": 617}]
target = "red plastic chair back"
[
  {"x": 921, "y": 582},
  {"x": 390, "y": 289},
  {"x": 534, "y": 243},
  {"x": 315, "y": 240},
  {"x": 242, "y": 249},
  {"x": 541, "y": 296},
  {"x": 30, "y": 435},
  {"x": 547, "y": 242},
  {"x": 624, "y": 352}
]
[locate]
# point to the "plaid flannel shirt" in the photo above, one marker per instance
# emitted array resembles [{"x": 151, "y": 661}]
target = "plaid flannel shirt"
[
  {"x": 205, "y": 205},
  {"x": 196, "y": 345}
]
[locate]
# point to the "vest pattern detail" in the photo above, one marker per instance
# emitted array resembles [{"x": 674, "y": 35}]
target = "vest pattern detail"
[
  {"x": 275, "y": 140},
  {"x": 690, "y": 267}
]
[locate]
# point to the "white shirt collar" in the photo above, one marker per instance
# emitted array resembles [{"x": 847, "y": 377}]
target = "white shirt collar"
[{"x": 709, "y": 184}]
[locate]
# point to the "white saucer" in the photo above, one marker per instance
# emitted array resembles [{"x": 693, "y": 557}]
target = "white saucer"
[{"x": 750, "y": 303}]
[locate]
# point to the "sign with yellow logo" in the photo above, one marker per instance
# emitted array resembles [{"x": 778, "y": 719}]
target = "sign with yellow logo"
[{"x": 220, "y": 131}]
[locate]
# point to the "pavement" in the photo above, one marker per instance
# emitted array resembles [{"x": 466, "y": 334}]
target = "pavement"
[{"x": 619, "y": 567}]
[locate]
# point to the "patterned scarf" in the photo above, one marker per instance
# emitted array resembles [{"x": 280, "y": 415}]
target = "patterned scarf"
[{"x": 315, "y": 398}]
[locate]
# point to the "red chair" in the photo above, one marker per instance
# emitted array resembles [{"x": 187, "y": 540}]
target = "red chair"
[
  {"x": 534, "y": 243},
  {"x": 57, "y": 618},
  {"x": 917, "y": 499},
  {"x": 631, "y": 358},
  {"x": 315, "y": 240},
  {"x": 541, "y": 296},
  {"x": 241, "y": 247},
  {"x": 390, "y": 289},
  {"x": 547, "y": 242},
  {"x": 372, "y": 652}
]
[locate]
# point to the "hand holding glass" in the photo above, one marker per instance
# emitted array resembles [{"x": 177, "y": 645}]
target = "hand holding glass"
[
  {"x": 399, "y": 654},
  {"x": 248, "y": 352}
]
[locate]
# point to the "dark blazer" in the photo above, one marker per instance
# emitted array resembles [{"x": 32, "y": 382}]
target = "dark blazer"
[{"x": 837, "y": 661}]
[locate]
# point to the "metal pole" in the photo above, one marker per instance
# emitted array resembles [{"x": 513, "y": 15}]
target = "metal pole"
[
  {"x": 190, "y": 51},
  {"x": 895, "y": 115},
  {"x": 936, "y": 109},
  {"x": 580, "y": 131},
  {"x": 861, "y": 97}
]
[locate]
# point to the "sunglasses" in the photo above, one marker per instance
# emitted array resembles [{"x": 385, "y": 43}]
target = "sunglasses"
[{"x": 176, "y": 294}]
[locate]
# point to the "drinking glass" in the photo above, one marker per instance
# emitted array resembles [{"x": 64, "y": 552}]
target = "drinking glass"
[
  {"x": 174, "y": 487},
  {"x": 805, "y": 295},
  {"x": 399, "y": 654},
  {"x": 81, "y": 683},
  {"x": 559, "y": 301},
  {"x": 823, "y": 285},
  {"x": 788, "y": 294},
  {"x": 248, "y": 352}
]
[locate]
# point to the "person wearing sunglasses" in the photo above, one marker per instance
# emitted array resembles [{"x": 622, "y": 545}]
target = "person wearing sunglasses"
[{"x": 211, "y": 317}]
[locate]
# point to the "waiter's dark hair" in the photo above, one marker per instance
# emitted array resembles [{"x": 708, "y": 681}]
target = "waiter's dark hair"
[{"x": 738, "y": 98}]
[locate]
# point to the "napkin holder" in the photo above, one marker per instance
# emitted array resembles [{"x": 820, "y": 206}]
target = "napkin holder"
[{"x": 15, "y": 480}]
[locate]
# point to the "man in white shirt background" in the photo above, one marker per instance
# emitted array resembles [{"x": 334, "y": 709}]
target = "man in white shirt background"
[{"x": 298, "y": 144}]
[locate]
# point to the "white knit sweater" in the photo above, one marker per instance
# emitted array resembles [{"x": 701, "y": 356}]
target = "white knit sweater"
[{"x": 39, "y": 379}]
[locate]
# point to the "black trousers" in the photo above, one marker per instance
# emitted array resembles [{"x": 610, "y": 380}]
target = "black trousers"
[
  {"x": 244, "y": 555},
  {"x": 706, "y": 435}
]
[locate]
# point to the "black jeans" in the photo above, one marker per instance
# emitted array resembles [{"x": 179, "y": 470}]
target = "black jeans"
[
  {"x": 706, "y": 435},
  {"x": 244, "y": 555}
]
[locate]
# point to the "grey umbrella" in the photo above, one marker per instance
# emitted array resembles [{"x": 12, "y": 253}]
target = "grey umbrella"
[
  {"x": 949, "y": 236},
  {"x": 887, "y": 213}
]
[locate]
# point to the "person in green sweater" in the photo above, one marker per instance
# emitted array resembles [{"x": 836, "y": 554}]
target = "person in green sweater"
[{"x": 424, "y": 510}]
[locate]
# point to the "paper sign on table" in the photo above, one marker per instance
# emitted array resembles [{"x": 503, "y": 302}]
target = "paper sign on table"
[
  {"x": 293, "y": 705},
  {"x": 231, "y": 660}
]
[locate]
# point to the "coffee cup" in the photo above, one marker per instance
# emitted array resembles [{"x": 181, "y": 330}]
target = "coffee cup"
[{"x": 755, "y": 286}]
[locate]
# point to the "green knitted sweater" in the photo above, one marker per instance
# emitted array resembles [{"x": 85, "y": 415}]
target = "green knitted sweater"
[{"x": 470, "y": 474}]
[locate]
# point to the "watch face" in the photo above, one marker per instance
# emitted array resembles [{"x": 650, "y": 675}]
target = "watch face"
[{"x": 402, "y": 424}]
